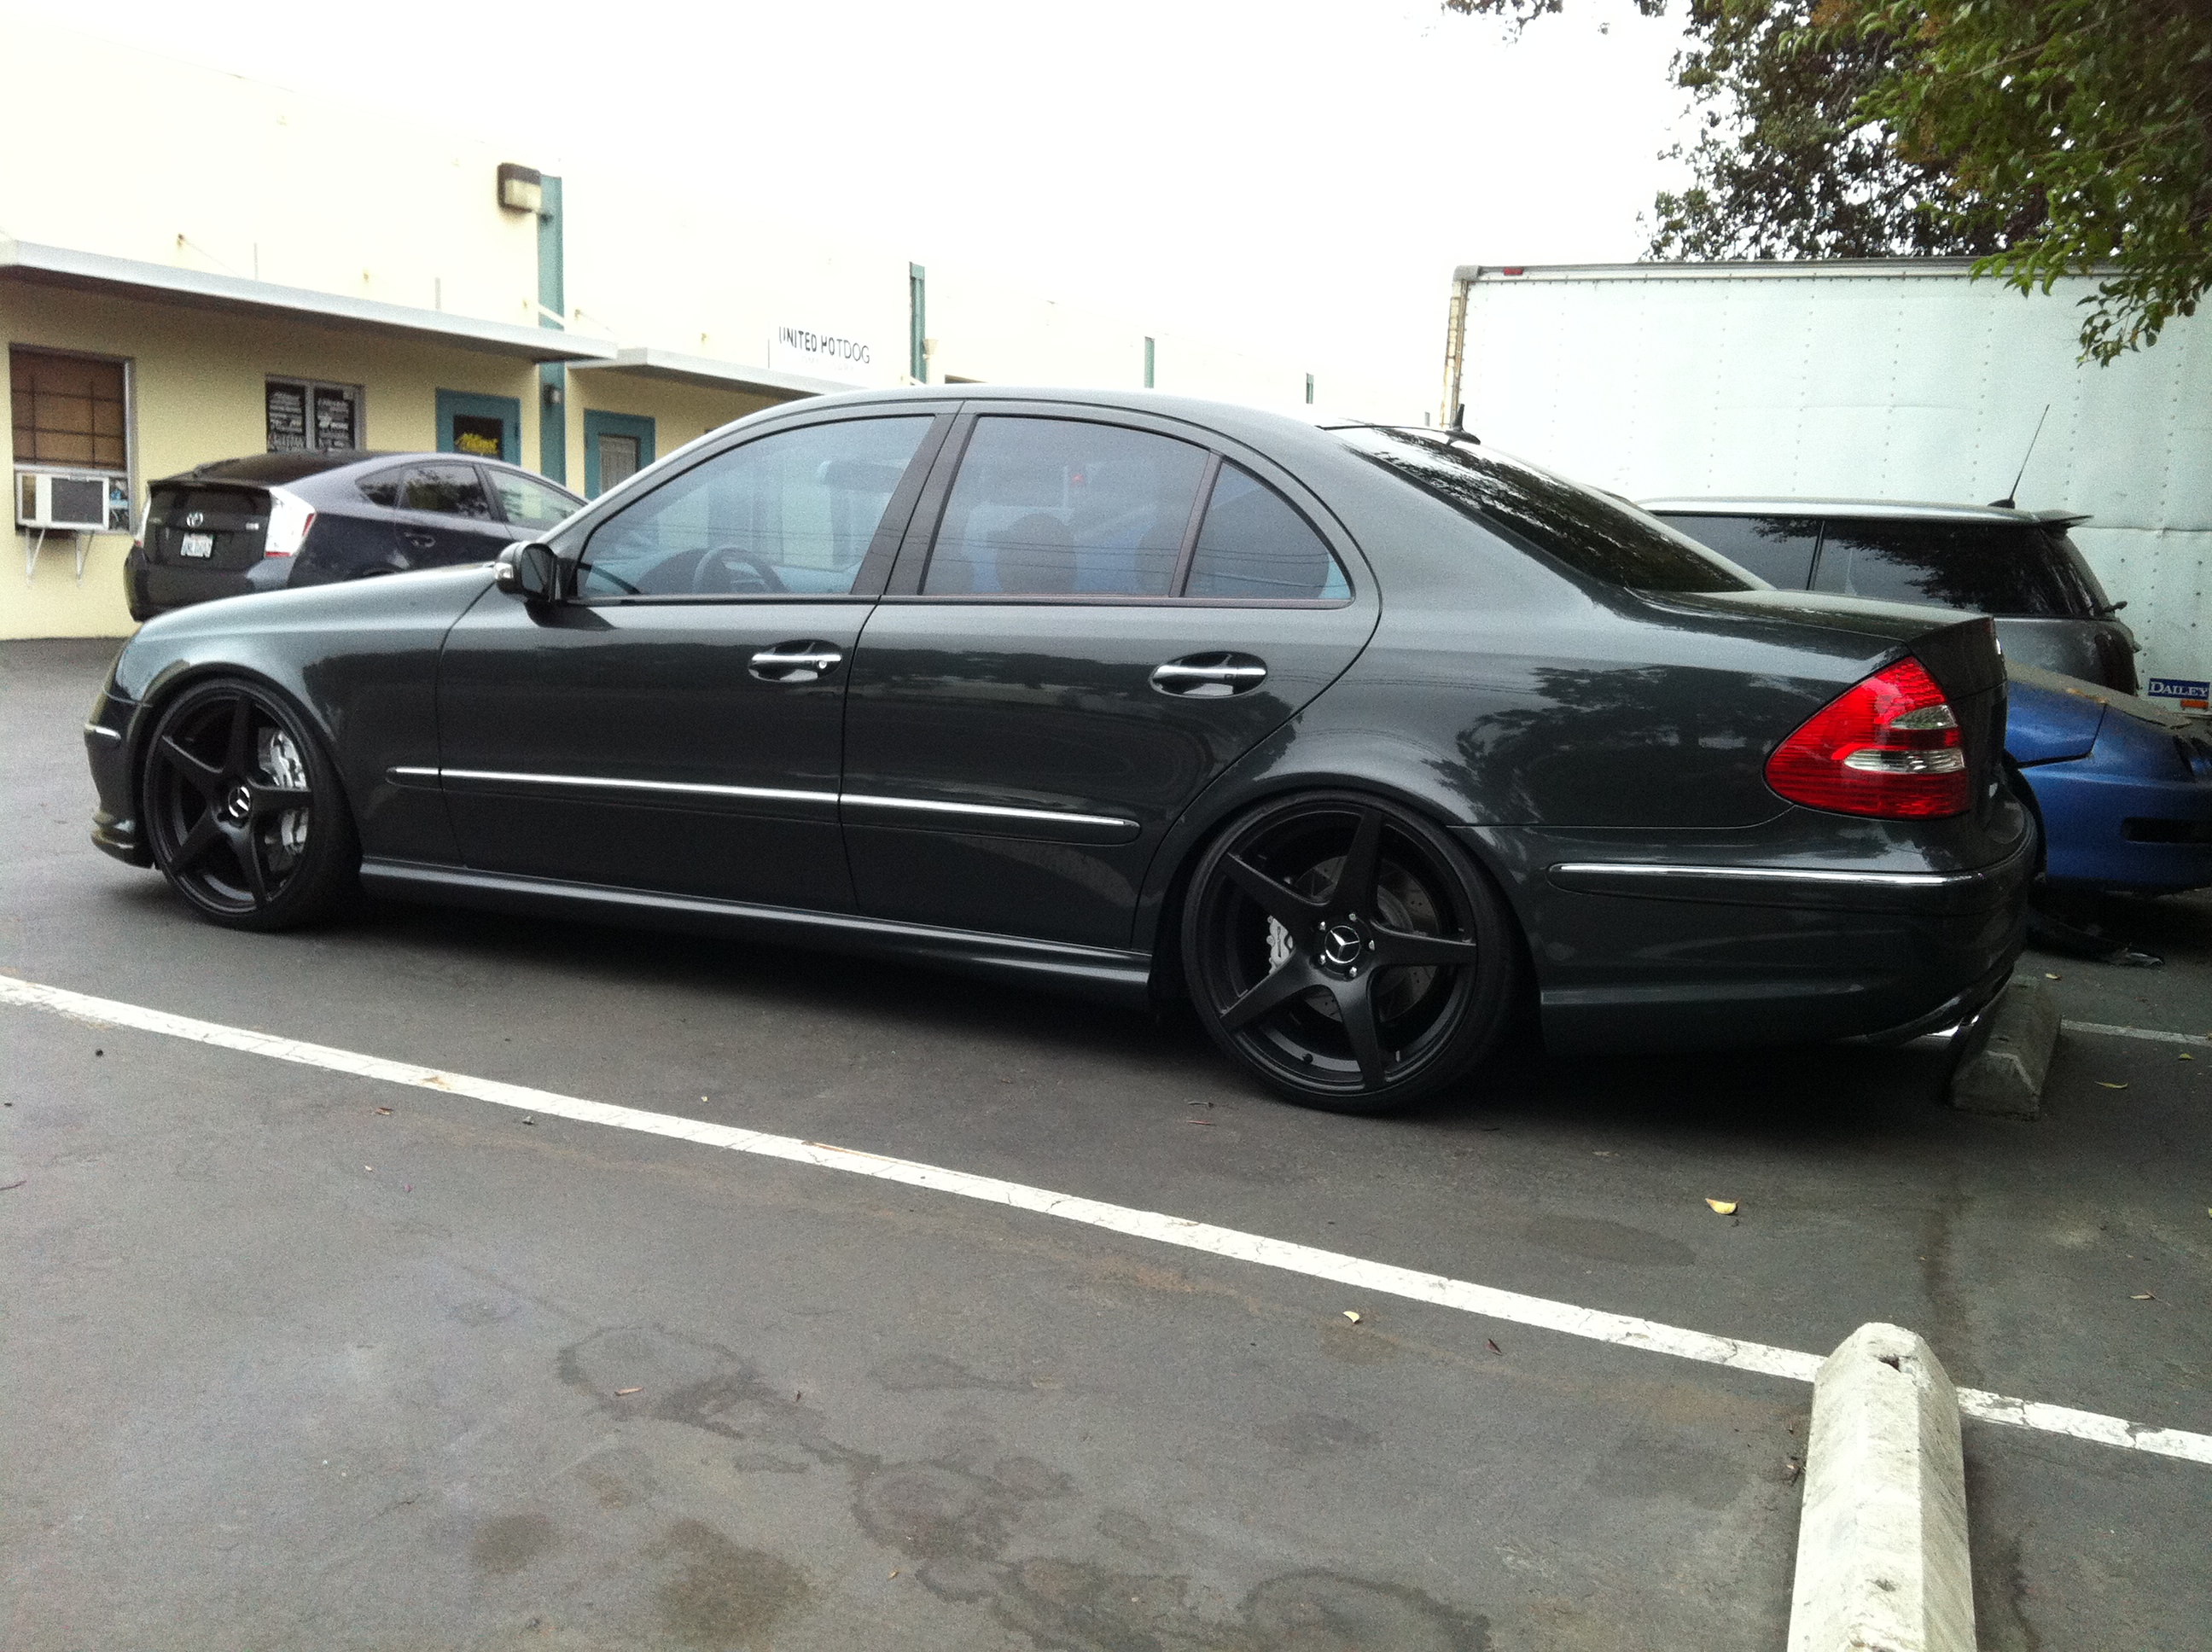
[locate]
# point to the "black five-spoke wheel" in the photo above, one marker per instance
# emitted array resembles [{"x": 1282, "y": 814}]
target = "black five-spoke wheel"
[
  {"x": 1347, "y": 952},
  {"x": 243, "y": 813}
]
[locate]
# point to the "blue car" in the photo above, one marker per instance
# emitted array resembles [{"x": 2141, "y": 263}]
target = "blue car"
[{"x": 2123, "y": 787}]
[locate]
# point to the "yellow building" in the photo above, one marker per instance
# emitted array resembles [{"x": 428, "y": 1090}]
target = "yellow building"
[{"x": 289, "y": 270}]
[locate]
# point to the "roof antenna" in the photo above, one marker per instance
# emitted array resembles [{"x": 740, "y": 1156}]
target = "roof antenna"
[
  {"x": 2007, "y": 502},
  {"x": 1458, "y": 431}
]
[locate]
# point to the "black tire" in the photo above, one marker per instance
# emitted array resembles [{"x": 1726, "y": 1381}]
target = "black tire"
[
  {"x": 1347, "y": 953},
  {"x": 243, "y": 810}
]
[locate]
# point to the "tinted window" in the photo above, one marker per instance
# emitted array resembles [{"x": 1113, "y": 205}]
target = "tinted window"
[
  {"x": 222, "y": 507},
  {"x": 1254, "y": 544},
  {"x": 1778, "y": 548},
  {"x": 382, "y": 490},
  {"x": 531, "y": 505},
  {"x": 792, "y": 511},
  {"x": 1050, "y": 507},
  {"x": 1593, "y": 533},
  {"x": 444, "y": 490},
  {"x": 1995, "y": 568}
]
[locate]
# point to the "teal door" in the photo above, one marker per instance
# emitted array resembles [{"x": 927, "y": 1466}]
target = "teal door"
[
  {"x": 482, "y": 427},
  {"x": 616, "y": 446}
]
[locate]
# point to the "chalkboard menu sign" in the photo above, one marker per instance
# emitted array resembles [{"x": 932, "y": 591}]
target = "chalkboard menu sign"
[
  {"x": 334, "y": 418},
  {"x": 288, "y": 417},
  {"x": 304, "y": 416}
]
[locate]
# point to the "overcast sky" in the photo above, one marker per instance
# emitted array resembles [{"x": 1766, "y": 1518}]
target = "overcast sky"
[{"x": 1298, "y": 169}]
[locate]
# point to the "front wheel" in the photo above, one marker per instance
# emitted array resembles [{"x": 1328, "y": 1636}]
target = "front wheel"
[
  {"x": 1347, "y": 953},
  {"x": 243, "y": 812}
]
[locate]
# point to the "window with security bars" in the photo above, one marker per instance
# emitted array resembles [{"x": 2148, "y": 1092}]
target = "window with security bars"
[{"x": 69, "y": 411}]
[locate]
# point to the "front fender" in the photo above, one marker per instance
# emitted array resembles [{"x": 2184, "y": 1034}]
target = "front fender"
[{"x": 358, "y": 661}]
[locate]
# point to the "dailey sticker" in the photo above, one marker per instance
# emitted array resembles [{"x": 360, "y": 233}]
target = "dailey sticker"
[
  {"x": 2194, "y": 693},
  {"x": 822, "y": 354}
]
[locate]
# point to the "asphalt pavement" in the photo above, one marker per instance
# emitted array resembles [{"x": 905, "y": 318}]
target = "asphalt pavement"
[{"x": 296, "y": 1358}]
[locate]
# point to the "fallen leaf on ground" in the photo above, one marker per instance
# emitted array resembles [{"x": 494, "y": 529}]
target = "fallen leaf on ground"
[
  {"x": 1353, "y": 1317},
  {"x": 621, "y": 1392},
  {"x": 1723, "y": 1206},
  {"x": 894, "y": 1571},
  {"x": 1493, "y": 1347},
  {"x": 2144, "y": 1296},
  {"x": 2108, "y": 1084},
  {"x": 1208, "y": 1123},
  {"x": 383, "y": 1109}
]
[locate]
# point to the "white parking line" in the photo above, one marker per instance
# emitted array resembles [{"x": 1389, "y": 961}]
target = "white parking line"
[
  {"x": 1623, "y": 1330},
  {"x": 2197, "y": 1039}
]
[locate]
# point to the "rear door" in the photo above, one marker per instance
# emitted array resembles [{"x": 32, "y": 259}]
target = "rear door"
[
  {"x": 1095, "y": 614},
  {"x": 444, "y": 515}
]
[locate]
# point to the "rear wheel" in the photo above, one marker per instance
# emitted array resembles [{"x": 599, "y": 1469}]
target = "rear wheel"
[
  {"x": 1347, "y": 952},
  {"x": 243, "y": 810}
]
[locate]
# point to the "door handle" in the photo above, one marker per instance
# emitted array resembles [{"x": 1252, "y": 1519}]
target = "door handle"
[
  {"x": 796, "y": 662},
  {"x": 1210, "y": 677},
  {"x": 421, "y": 538}
]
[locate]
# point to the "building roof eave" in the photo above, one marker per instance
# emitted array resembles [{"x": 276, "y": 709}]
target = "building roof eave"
[
  {"x": 710, "y": 372},
  {"x": 99, "y": 272}
]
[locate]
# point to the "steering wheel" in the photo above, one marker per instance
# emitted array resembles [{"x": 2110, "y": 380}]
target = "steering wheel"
[{"x": 727, "y": 563}]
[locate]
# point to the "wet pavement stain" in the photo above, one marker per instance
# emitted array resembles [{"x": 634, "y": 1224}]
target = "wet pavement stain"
[
  {"x": 509, "y": 1543},
  {"x": 1642, "y": 1466},
  {"x": 1314, "y": 1434},
  {"x": 947, "y": 1511},
  {"x": 1067, "y": 1607},
  {"x": 1600, "y": 1241},
  {"x": 720, "y": 1594},
  {"x": 957, "y": 1519}
]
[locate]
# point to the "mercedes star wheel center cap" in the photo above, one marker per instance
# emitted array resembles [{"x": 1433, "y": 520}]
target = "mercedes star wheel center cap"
[
  {"x": 1341, "y": 944},
  {"x": 239, "y": 804}
]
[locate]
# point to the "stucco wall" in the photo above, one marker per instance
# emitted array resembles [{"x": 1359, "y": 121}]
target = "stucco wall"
[{"x": 198, "y": 387}]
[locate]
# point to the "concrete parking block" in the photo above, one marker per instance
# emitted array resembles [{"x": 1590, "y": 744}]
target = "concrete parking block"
[
  {"x": 2007, "y": 1053},
  {"x": 1882, "y": 1561}
]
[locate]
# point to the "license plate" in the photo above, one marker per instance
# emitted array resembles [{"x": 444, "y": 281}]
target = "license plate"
[{"x": 196, "y": 545}]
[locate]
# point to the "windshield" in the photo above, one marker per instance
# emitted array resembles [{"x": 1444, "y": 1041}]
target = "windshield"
[{"x": 1592, "y": 532}]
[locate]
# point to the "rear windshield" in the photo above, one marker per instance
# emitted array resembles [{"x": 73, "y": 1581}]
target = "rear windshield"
[
  {"x": 1778, "y": 548},
  {"x": 172, "y": 503},
  {"x": 1592, "y": 532},
  {"x": 1994, "y": 568}
]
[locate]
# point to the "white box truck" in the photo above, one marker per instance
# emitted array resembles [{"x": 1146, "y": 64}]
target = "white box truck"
[{"x": 1887, "y": 379}]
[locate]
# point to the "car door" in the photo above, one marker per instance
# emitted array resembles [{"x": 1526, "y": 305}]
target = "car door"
[
  {"x": 1095, "y": 615},
  {"x": 444, "y": 515},
  {"x": 673, "y": 722}
]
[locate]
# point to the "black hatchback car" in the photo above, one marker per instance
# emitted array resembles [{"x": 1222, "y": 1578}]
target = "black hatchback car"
[
  {"x": 2023, "y": 568},
  {"x": 1360, "y": 738},
  {"x": 274, "y": 521}
]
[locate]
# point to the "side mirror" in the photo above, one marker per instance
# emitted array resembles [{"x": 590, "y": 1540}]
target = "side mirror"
[{"x": 529, "y": 571}]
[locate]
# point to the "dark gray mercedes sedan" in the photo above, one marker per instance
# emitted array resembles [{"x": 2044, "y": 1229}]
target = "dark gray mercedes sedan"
[{"x": 1364, "y": 739}]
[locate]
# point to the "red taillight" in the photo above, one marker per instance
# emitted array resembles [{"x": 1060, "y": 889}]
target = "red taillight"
[{"x": 1888, "y": 746}]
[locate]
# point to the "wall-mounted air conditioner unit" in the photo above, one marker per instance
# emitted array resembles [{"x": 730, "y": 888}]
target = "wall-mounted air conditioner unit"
[{"x": 69, "y": 502}]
